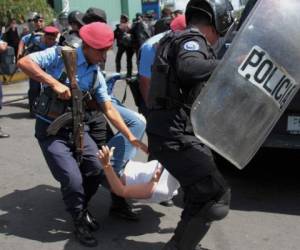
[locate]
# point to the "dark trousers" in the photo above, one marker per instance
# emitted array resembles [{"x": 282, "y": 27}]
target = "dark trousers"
[
  {"x": 99, "y": 129},
  {"x": 129, "y": 54},
  {"x": 78, "y": 183},
  {"x": 33, "y": 92},
  {"x": 193, "y": 166}
]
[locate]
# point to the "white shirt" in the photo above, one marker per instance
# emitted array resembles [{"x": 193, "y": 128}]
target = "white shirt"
[{"x": 140, "y": 172}]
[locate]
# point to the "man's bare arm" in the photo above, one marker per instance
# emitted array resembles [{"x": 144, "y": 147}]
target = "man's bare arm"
[{"x": 34, "y": 71}]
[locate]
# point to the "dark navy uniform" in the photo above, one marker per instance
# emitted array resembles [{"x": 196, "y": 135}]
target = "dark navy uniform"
[
  {"x": 170, "y": 135},
  {"x": 78, "y": 184}
]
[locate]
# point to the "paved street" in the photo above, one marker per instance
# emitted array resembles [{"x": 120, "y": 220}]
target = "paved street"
[{"x": 265, "y": 211}]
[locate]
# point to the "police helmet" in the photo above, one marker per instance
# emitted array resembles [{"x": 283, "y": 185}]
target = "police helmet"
[
  {"x": 76, "y": 17},
  {"x": 31, "y": 15},
  {"x": 94, "y": 15},
  {"x": 219, "y": 12},
  {"x": 37, "y": 16},
  {"x": 63, "y": 20},
  {"x": 62, "y": 16}
]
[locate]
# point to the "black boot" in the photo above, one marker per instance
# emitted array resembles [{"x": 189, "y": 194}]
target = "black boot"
[
  {"x": 120, "y": 208},
  {"x": 82, "y": 231},
  {"x": 91, "y": 221},
  {"x": 183, "y": 239}
]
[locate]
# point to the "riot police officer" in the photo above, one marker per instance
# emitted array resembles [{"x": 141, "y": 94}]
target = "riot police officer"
[
  {"x": 78, "y": 183},
  {"x": 63, "y": 21},
  {"x": 184, "y": 61},
  {"x": 71, "y": 37}
]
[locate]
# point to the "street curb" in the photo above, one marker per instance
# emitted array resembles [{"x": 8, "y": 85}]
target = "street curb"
[{"x": 17, "y": 77}]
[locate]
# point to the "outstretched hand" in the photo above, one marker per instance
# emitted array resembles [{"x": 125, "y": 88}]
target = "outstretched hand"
[{"x": 105, "y": 154}]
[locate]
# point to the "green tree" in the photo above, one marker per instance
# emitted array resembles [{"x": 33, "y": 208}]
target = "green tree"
[{"x": 19, "y": 9}]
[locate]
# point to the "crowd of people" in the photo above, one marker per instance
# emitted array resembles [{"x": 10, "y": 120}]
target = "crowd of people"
[
  {"x": 131, "y": 35},
  {"x": 175, "y": 59}
]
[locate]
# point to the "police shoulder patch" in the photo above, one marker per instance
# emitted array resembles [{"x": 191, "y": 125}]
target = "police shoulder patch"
[{"x": 191, "y": 46}]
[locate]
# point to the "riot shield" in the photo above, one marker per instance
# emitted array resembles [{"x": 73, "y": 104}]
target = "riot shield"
[{"x": 253, "y": 84}]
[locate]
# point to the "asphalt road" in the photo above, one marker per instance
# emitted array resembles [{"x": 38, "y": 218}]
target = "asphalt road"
[{"x": 264, "y": 212}]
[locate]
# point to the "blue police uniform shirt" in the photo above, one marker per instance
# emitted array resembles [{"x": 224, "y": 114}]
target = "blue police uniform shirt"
[
  {"x": 35, "y": 39},
  {"x": 148, "y": 51},
  {"x": 51, "y": 61}
]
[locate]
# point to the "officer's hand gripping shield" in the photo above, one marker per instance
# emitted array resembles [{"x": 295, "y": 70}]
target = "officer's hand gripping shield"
[{"x": 254, "y": 83}]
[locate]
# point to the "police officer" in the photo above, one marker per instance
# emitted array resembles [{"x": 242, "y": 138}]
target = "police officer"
[
  {"x": 36, "y": 41},
  {"x": 78, "y": 183},
  {"x": 34, "y": 36},
  {"x": 163, "y": 24},
  {"x": 183, "y": 63},
  {"x": 146, "y": 59},
  {"x": 95, "y": 15},
  {"x": 63, "y": 22},
  {"x": 71, "y": 36}
]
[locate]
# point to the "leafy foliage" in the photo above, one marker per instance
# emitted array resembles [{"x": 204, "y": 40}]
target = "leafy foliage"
[{"x": 19, "y": 9}]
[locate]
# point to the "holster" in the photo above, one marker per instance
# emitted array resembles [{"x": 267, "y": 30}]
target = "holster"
[{"x": 48, "y": 104}]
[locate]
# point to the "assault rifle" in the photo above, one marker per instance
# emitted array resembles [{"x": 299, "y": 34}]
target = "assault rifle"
[
  {"x": 66, "y": 118},
  {"x": 70, "y": 60}
]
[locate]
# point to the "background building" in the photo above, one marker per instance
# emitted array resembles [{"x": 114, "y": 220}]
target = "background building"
[{"x": 113, "y": 8}]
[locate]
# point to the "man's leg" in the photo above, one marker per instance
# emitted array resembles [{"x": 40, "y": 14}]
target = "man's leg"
[
  {"x": 124, "y": 151},
  {"x": 206, "y": 195},
  {"x": 129, "y": 55},
  {"x": 100, "y": 131},
  {"x": 120, "y": 52},
  {"x": 92, "y": 176},
  {"x": 65, "y": 170}
]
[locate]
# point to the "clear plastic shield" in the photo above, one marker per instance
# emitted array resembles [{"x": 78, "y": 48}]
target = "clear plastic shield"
[{"x": 253, "y": 84}]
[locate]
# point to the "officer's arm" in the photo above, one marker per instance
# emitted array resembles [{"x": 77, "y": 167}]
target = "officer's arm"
[
  {"x": 192, "y": 64},
  {"x": 3, "y": 46},
  {"x": 34, "y": 71},
  {"x": 115, "y": 118},
  {"x": 147, "y": 53},
  {"x": 21, "y": 48},
  {"x": 144, "y": 86}
]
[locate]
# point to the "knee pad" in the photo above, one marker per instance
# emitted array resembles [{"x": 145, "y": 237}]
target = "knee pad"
[{"x": 218, "y": 210}]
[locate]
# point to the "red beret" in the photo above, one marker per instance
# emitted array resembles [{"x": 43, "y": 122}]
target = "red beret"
[
  {"x": 178, "y": 23},
  {"x": 97, "y": 35},
  {"x": 51, "y": 30}
]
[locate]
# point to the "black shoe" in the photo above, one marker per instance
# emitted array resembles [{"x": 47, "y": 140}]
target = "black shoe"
[
  {"x": 123, "y": 212},
  {"x": 168, "y": 203},
  {"x": 120, "y": 208},
  {"x": 91, "y": 222},
  {"x": 82, "y": 232},
  {"x": 3, "y": 135}
]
